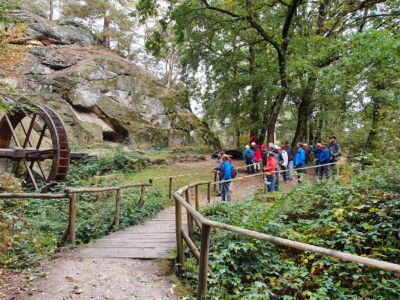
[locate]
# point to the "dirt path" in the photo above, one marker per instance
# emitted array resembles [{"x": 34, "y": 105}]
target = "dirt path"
[
  {"x": 108, "y": 268},
  {"x": 241, "y": 189}
]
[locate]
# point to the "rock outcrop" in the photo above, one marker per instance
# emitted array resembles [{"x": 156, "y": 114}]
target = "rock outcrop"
[{"x": 99, "y": 95}]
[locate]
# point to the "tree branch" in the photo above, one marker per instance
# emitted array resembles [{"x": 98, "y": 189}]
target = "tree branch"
[{"x": 250, "y": 20}]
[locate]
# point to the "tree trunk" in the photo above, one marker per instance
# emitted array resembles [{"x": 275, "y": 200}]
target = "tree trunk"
[
  {"x": 106, "y": 33},
  {"x": 238, "y": 138},
  {"x": 320, "y": 122},
  {"x": 255, "y": 91},
  {"x": 376, "y": 118},
  {"x": 51, "y": 10},
  {"x": 234, "y": 138},
  {"x": 304, "y": 112}
]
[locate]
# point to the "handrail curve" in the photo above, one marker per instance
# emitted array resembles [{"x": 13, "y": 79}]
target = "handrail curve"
[{"x": 207, "y": 224}]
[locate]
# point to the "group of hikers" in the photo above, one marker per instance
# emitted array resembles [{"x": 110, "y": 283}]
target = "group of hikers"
[{"x": 279, "y": 161}]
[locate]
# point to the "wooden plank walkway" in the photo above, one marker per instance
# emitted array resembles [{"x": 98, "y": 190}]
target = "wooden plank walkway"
[{"x": 153, "y": 239}]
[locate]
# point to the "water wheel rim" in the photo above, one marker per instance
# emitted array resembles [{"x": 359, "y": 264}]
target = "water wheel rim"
[{"x": 58, "y": 135}]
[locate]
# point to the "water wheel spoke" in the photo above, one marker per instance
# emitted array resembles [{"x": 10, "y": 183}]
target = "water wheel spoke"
[
  {"x": 14, "y": 134},
  {"x": 41, "y": 136},
  {"x": 42, "y": 170},
  {"x": 39, "y": 141},
  {"x": 28, "y": 134},
  {"x": 30, "y": 174}
]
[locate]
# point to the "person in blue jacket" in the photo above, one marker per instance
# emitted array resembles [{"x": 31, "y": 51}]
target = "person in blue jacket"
[
  {"x": 226, "y": 172},
  {"x": 248, "y": 156},
  {"x": 324, "y": 160},
  {"x": 300, "y": 160},
  {"x": 317, "y": 152}
]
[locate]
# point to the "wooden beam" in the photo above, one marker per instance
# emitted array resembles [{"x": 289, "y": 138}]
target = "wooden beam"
[
  {"x": 178, "y": 228},
  {"x": 117, "y": 206},
  {"x": 72, "y": 216},
  {"x": 189, "y": 216},
  {"x": 203, "y": 266}
]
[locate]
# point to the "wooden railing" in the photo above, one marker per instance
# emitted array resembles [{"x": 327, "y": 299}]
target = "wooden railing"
[
  {"x": 194, "y": 217},
  {"x": 72, "y": 193}
]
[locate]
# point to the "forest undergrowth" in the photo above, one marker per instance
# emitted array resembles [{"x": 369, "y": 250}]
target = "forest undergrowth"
[
  {"x": 31, "y": 229},
  {"x": 357, "y": 214}
]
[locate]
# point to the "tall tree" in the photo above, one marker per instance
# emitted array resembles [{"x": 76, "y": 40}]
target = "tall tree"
[
  {"x": 112, "y": 13},
  {"x": 274, "y": 29}
]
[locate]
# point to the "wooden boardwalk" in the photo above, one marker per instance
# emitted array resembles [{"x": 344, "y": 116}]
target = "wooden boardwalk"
[{"x": 153, "y": 239}]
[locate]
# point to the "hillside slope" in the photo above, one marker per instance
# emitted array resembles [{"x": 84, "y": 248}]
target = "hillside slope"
[{"x": 99, "y": 95}]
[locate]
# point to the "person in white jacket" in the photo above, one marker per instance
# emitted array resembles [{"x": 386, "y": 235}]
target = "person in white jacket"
[{"x": 285, "y": 161}]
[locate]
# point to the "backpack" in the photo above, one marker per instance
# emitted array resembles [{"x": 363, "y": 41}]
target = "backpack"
[
  {"x": 248, "y": 157},
  {"x": 233, "y": 172}
]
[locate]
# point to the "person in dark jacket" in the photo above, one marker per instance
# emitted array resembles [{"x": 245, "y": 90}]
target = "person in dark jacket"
[
  {"x": 324, "y": 160},
  {"x": 317, "y": 152},
  {"x": 264, "y": 150},
  {"x": 290, "y": 153},
  {"x": 218, "y": 168},
  {"x": 335, "y": 151},
  {"x": 226, "y": 173},
  {"x": 300, "y": 161},
  {"x": 248, "y": 156},
  {"x": 279, "y": 161}
]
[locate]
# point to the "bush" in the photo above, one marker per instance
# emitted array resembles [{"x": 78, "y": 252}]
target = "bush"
[{"x": 361, "y": 217}]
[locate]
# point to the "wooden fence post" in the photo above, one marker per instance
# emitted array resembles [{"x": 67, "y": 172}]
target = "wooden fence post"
[
  {"x": 142, "y": 191},
  {"x": 72, "y": 216},
  {"x": 265, "y": 186},
  {"x": 178, "y": 227},
  {"x": 117, "y": 205},
  {"x": 170, "y": 188},
  {"x": 189, "y": 217},
  {"x": 209, "y": 192},
  {"x": 203, "y": 266},
  {"x": 196, "y": 190},
  {"x": 215, "y": 180}
]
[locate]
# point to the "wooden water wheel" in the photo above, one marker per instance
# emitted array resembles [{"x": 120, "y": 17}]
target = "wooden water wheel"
[{"x": 37, "y": 142}]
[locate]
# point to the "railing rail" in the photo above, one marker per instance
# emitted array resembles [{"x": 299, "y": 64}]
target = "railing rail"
[
  {"x": 72, "y": 193},
  {"x": 205, "y": 226}
]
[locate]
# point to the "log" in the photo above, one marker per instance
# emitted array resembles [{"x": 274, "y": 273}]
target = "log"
[
  {"x": 117, "y": 206},
  {"x": 32, "y": 196},
  {"x": 209, "y": 192},
  {"x": 197, "y": 202},
  {"x": 189, "y": 216},
  {"x": 142, "y": 191},
  {"x": 170, "y": 189},
  {"x": 72, "y": 216},
  {"x": 203, "y": 267},
  {"x": 178, "y": 227}
]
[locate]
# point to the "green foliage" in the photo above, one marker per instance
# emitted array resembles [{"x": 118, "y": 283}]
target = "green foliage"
[
  {"x": 5, "y": 6},
  {"x": 82, "y": 171},
  {"x": 361, "y": 216},
  {"x": 32, "y": 228}
]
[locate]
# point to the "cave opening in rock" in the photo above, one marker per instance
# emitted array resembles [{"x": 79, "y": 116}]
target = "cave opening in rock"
[{"x": 111, "y": 136}]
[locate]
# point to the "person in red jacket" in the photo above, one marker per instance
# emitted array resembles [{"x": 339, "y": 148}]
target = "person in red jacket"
[
  {"x": 257, "y": 156},
  {"x": 270, "y": 167}
]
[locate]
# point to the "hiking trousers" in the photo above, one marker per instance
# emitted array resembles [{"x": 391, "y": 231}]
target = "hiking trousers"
[
  {"x": 225, "y": 191},
  {"x": 270, "y": 183},
  {"x": 250, "y": 165},
  {"x": 323, "y": 169}
]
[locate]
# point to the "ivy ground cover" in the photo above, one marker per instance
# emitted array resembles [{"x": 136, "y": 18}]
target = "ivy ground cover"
[{"x": 360, "y": 215}]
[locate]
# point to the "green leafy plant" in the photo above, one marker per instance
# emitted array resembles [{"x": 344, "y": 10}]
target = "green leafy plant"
[{"x": 360, "y": 216}]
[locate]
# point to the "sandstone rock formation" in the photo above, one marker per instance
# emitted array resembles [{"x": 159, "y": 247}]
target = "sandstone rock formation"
[{"x": 99, "y": 95}]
